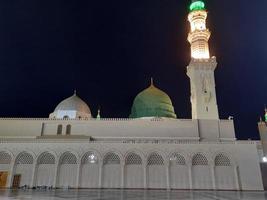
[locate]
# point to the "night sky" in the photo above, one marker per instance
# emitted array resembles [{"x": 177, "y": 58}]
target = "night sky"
[{"x": 108, "y": 50}]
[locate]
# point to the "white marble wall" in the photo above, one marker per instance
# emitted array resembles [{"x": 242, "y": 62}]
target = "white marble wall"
[{"x": 242, "y": 174}]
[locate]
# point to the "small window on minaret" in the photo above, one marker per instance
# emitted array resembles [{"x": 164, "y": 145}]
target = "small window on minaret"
[{"x": 207, "y": 108}]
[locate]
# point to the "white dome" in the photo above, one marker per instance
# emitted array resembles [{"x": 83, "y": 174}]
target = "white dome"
[
  {"x": 72, "y": 107},
  {"x": 73, "y": 103}
]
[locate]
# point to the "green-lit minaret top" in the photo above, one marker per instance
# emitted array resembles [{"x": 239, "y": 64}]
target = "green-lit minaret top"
[
  {"x": 197, "y": 5},
  {"x": 265, "y": 116}
]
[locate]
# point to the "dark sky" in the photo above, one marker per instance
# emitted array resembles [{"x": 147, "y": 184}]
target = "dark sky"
[{"x": 108, "y": 50}]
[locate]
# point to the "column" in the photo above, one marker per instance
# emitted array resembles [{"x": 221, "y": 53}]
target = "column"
[
  {"x": 100, "y": 174},
  {"x": 190, "y": 176},
  {"x": 122, "y": 173},
  {"x": 236, "y": 178},
  {"x": 145, "y": 175},
  {"x": 213, "y": 177},
  {"x": 56, "y": 174},
  {"x": 11, "y": 174},
  {"x": 78, "y": 173},
  {"x": 33, "y": 174},
  {"x": 168, "y": 176}
]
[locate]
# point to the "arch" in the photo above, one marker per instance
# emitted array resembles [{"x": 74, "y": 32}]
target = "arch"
[
  {"x": 179, "y": 177},
  {"x": 24, "y": 167},
  {"x": 155, "y": 159},
  {"x": 199, "y": 159},
  {"x": 133, "y": 159},
  {"x": 67, "y": 174},
  {"x": 111, "y": 158},
  {"x": 45, "y": 169},
  {"x": 201, "y": 172},
  {"x": 111, "y": 170},
  {"x": 59, "y": 129},
  {"x": 224, "y": 172},
  {"x": 134, "y": 175},
  {"x": 68, "y": 129},
  {"x": 46, "y": 158},
  {"x": 156, "y": 171},
  {"x": 177, "y": 159},
  {"x": 222, "y": 160},
  {"x": 5, "y": 166},
  {"x": 89, "y": 174},
  {"x": 5, "y": 158}
]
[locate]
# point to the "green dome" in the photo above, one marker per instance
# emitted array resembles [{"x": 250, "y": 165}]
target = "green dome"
[{"x": 152, "y": 102}]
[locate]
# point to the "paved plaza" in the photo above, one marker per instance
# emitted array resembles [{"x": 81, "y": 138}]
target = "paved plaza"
[{"x": 128, "y": 195}]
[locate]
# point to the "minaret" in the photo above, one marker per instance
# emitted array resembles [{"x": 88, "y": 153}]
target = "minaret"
[{"x": 202, "y": 66}]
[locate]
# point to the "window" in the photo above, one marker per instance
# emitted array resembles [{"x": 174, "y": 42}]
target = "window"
[
  {"x": 68, "y": 158},
  {"x": 46, "y": 158},
  {"x": 133, "y": 159},
  {"x": 155, "y": 159},
  {"x": 222, "y": 160},
  {"x": 59, "y": 129},
  {"x": 177, "y": 159},
  {"x": 68, "y": 129},
  {"x": 199, "y": 159},
  {"x": 111, "y": 158},
  {"x": 5, "y": 158},
  {"x": 24, "y": 158}
]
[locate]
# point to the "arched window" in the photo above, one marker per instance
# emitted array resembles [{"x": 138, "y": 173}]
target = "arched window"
[
  {"x": 222, "y": 160},
  {"x": 66, "y": 117},
  {"x": 24, "y": 158},
  {"x": 46, "y": 158},
  {"x": 59, "y": 129},
  {"x": 199, "y": 159},
  {"x": 68, "y": 129},
  {"x": 155, "y": 159},
  {"x": 5, "y": 158},
  {"x": 177, "y": 159},
  {"x": 133, "y": 159},
  {"x": 111, "y": 158},
  {"x": 68, "y": 158},
  {"x": 89, "y": 158}
]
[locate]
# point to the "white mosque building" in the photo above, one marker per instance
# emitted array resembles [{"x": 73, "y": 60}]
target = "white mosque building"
[{"x": 151, "y": 149}]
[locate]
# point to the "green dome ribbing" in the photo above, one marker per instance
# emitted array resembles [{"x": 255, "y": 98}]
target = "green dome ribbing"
[{"x": 152, "y": 102}]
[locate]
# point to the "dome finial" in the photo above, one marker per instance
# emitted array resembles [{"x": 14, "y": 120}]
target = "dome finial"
[
  {"x": 98, "y": 113},
  {"x": 75, "y": 92},
  {"x": 265, "y": 115},
  {"x": 151, "y": 81}
]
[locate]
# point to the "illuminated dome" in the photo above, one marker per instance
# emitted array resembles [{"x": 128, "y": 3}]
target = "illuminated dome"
[
  {"x": 152, "y": 102},
  {"x": 71, "y": 108}
]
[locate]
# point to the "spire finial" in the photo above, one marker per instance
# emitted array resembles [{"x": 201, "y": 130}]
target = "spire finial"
[
  {"x": 151, "y": 81},
  {"x": 75, "y": 92},
  {"x": 98, "y": 113}
]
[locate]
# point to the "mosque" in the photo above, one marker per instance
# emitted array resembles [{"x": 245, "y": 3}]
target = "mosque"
[{"x": 151, "y": 149}]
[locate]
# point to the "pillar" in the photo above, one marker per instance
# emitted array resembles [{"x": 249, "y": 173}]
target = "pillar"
[
  {"x": 78, "y": 173},
  {"x": 237, "y": 178},
  {"x": 145, "y": 175},
  {"x": 32, "y": 184},
  {"x": 168, "y": 176},
  {"x": 11, "y": 174},
  {"x": 56, "y": 174},
  {"x": 100, "y": 173},
  {"x": 122, "y": 174},
  {"x": 190, "y": 177},
  {"x": 212, "y": 169}
]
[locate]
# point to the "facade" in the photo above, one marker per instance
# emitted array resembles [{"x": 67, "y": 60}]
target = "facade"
[{"x": 151, "y": 149}]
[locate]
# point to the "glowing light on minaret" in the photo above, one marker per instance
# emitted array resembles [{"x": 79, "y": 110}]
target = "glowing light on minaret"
[{"x": 199, "y": 35}]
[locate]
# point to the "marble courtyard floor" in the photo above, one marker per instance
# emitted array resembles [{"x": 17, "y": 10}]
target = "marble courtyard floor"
[{"x": 128, "y": 195}]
